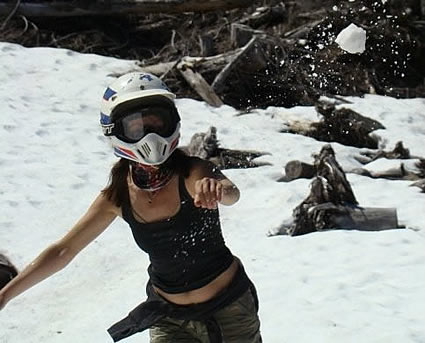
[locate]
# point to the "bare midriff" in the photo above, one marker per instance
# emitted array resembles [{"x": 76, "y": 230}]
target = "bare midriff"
[{"x": 204, "y": 293}]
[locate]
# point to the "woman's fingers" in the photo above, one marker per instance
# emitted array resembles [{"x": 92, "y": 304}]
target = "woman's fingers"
[
  {"x": 207, "y": 193},
  {"x": 219, "y": 191},
  {"x": 199, "y": 199}
]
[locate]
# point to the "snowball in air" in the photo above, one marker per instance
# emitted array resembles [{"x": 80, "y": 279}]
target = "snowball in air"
[{"x": 352, "y": 39}]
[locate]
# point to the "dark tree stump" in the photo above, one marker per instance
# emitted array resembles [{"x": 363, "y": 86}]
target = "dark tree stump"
[{"x": 332, "y": 204}]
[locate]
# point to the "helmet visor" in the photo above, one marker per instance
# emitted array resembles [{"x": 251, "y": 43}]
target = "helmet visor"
[{"x": 133, "y": 126}]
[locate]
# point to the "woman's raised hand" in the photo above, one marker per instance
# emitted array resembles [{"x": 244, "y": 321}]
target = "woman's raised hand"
[{"x": 208, "y": 191}]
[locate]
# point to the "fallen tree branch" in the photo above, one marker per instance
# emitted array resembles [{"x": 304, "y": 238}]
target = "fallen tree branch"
[
  {"x": 219, "y": 80},
  {"x": 198, "y": 83},
  {"x": 397, "y": 173},
  {"x": 11, "y": 14},
  {"x": 201, "y": 64},
  {"x": 399, "y": 152}
]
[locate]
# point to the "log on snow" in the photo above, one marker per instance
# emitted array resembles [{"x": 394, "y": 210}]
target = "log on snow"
[
  {"x": 328, "y": 216},
  {"x": 364, "y": 219},
  {"x": 399, "y": 152},
  {"x": 297, "y": 169},
  {"x": 342, "y": 125},
  {"x": 397, "y": 173}
]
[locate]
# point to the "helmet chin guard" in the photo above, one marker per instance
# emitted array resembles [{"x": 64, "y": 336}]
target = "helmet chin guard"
[
  {"x": 141, "y": 89},
  {"x": 151, "y": 149}
]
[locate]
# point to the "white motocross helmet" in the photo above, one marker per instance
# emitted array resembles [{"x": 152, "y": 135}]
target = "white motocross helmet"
[{"x": 138, "y": 95}]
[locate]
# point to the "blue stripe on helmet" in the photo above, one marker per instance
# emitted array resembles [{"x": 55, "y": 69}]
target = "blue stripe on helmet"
[
  {"x": 104, "y": 119},
  {"x": 108, "y": 93}
]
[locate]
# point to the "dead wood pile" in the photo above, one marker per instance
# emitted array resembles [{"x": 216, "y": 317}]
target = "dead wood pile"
[
  {"x": 279, "y": 53},
  {"x": 342, "y": 125},
  {"x": 206, "y": 145},
  {"x": 411, "y": 172},
  {"x": 413, "y": 169},
  {"x": 331, "y": 204}
]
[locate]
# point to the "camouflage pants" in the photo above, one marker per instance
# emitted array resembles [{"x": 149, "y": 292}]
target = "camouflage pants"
[{"x": 239, "y": 323}]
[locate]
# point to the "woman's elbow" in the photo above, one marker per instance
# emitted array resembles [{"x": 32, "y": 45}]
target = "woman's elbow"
[
  {"x": 60, "y": 255},
  {"x": 231, "y": 195}
]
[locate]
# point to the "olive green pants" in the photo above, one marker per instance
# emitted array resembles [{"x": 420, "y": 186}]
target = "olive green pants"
[{"x": 238, "y": 322}]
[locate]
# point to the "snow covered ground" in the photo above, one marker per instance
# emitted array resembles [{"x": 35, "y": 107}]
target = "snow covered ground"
[{"x": 335, "y": 286}]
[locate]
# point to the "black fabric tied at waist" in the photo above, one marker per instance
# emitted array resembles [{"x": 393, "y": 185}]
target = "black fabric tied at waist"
[{"x": 156, "y": 308}]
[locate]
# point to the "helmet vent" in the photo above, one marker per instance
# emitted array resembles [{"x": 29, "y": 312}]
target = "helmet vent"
[
  {"x": 146, "y": 149},
  {"x": 163, "y": 150}
]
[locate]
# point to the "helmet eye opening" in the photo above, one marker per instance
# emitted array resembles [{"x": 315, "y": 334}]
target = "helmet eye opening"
[{"x": 132, "y": 126}]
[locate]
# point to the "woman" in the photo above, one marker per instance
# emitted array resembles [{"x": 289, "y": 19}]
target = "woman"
[{"x": 197, "y": 291}]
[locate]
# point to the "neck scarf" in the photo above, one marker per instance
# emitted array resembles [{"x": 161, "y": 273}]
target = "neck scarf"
[{"x": 151, "y": 178}]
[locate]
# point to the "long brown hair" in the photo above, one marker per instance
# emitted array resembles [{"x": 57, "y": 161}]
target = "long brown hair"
[{"x": 117, "y": 188}]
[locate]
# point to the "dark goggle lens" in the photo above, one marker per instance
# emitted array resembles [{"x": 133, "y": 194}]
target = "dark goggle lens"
[{"x": 136, "y": 125}]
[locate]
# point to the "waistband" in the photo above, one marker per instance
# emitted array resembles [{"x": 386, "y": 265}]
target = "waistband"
[{"x": 156, "y": 307}]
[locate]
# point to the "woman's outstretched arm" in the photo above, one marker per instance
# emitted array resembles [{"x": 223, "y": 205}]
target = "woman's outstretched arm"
[
  {"x": 54, "y": 258},
  {"x": 209, "y": 186}
]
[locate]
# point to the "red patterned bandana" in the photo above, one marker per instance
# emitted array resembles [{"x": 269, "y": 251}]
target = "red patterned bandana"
[{"x": 151, "y": 178}]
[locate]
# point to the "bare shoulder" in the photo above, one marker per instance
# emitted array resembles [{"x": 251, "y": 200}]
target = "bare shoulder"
[{"x": 102, "y": 204}]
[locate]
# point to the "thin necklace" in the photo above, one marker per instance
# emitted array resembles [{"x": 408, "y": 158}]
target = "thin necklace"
[{"x": 152, "y": 195}]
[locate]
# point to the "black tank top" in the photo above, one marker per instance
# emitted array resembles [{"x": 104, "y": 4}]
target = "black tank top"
[{"x": 186, "y": 251}]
